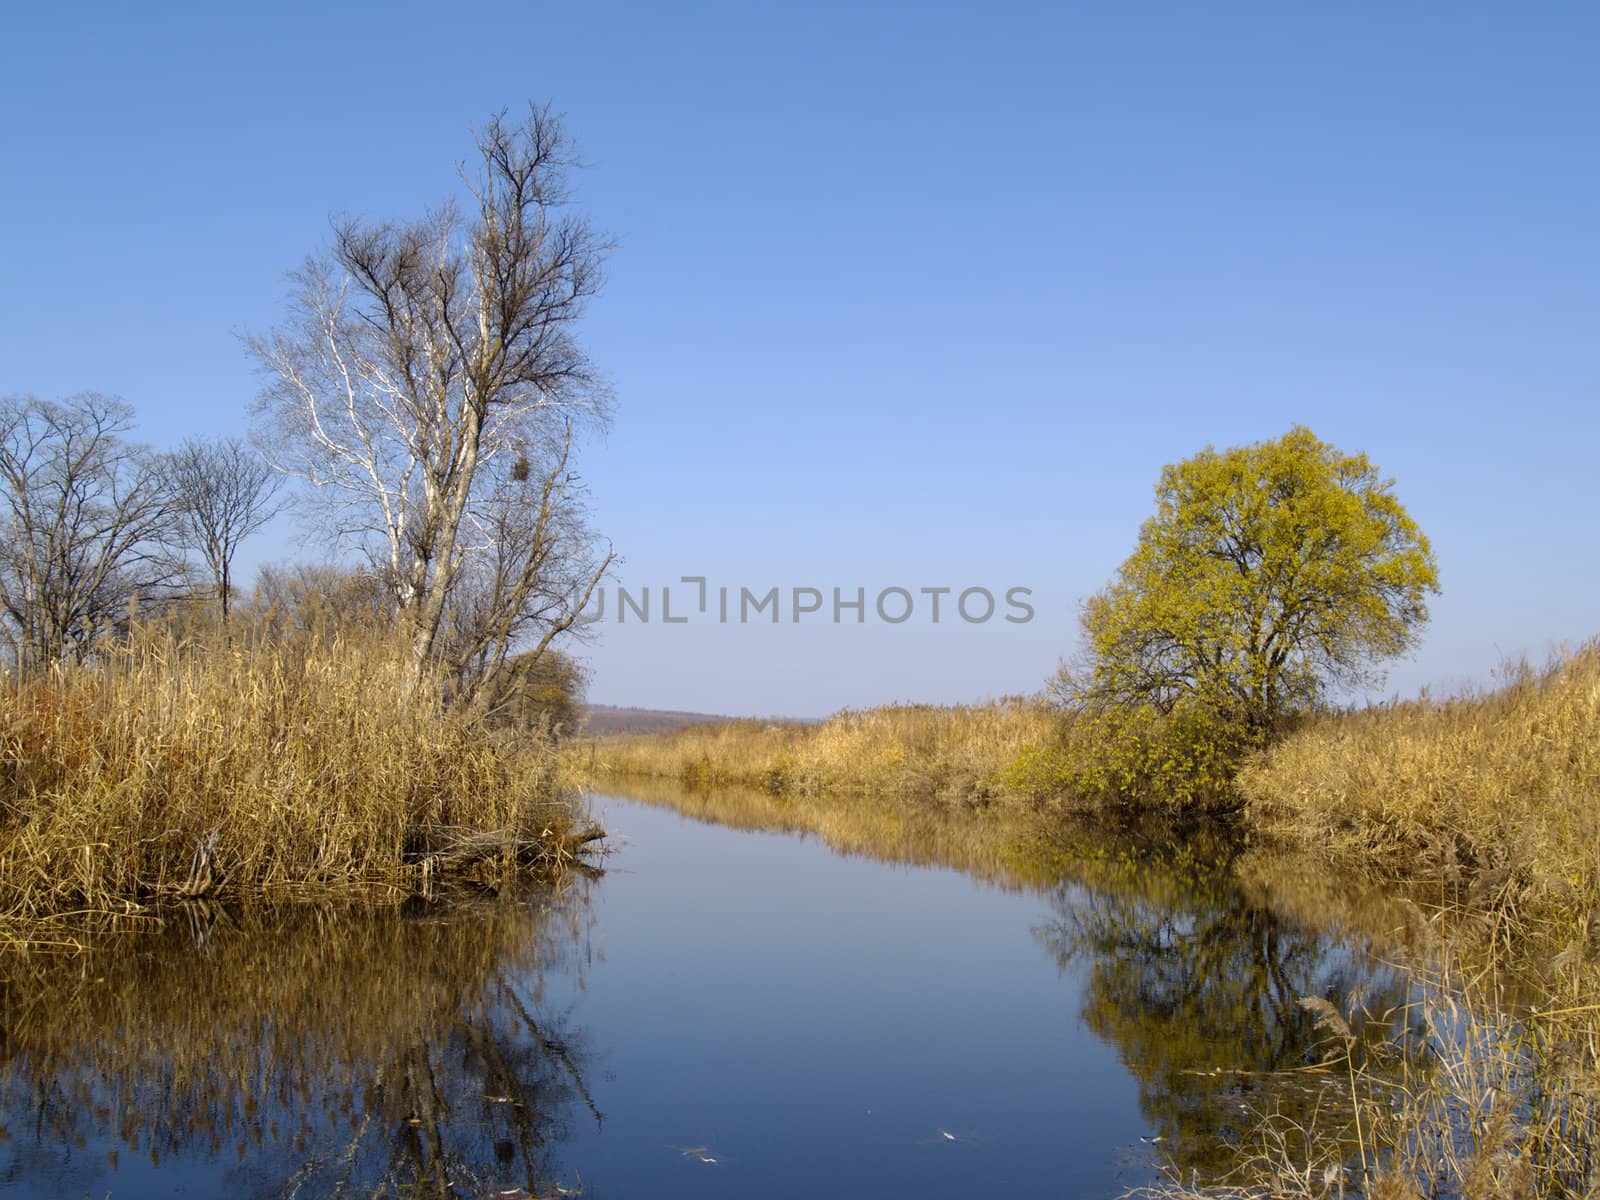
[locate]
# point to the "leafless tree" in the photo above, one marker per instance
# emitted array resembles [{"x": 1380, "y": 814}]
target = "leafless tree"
[
  {"x": 89, "y": 525},
  {"x": 424, "y": 366},
  {"x": 534, "y": 570},
  {"x": 222, "y": 492}
]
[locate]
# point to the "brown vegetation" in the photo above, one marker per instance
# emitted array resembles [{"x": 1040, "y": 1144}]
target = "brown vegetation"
[
  {"x": 210, "y": 763},
  {"x": 1498, "y": 790},
  {"x": 905, "y": 751},
  {"x": 1014, "y": 751}
]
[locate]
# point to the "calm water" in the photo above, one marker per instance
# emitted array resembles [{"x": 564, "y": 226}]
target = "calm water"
[{"x": 724, "y": 1013}]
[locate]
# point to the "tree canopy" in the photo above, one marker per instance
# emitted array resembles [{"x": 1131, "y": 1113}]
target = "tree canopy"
[
  {"x": 1268, "y": 574},
  {"x": 87, "y": 523},
  {"x": 222, "y": 492},
  {"x": 428, "y": 384}
]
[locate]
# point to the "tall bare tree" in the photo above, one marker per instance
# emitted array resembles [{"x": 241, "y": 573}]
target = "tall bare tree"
[
  {"x": 222, "y": 492},
  {"x": 423, "y": 365},
  {"x": 88, "y": 525}
]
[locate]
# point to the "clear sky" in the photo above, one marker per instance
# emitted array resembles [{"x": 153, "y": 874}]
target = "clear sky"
[{"x": 905, "y": 295}]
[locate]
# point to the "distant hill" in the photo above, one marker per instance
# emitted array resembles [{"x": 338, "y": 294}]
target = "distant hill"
[{"x": 604, "y": 719}]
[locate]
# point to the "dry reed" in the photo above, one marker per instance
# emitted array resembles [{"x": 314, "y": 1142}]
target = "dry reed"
[
  {"x": 905, "y": 751},
  {"x": 1482, "y": 1091},
  {"x": 1499, "y": 791},
  {"x": 174, "y": 765}
]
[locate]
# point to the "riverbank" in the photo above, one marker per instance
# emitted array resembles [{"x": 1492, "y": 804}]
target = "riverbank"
[
  {"x": 1011, "y": 753},
  {"x": 183, "y": 765},
  {"x": 925, "y": 753},
  {"x": 1490, "y": 798},
  {"x": 1495, "y": 789}
]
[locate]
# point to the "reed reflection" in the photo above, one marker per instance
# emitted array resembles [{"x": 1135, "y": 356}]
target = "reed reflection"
[{"x": 315, "y": 1051}]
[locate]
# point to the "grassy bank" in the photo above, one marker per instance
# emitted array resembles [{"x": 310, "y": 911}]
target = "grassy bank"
[
  {"x": 1491, "y": 798},
  {"x": 922, "y": 752},
  {"x": 263, "y": 761},
  {"x": 1499, "y": 790},
  {"x": 1015, "y": 751}
]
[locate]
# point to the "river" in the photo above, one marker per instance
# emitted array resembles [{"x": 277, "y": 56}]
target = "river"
[{"x": 716, "y": 1011}]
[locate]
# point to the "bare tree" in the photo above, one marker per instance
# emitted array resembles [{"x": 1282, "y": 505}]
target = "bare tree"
[
  {"x": 424, "y": 365},
  {"x": 222, "y": 492},
  {"x": 534, "y": 571},
  {"x": 89, "y": 525}
]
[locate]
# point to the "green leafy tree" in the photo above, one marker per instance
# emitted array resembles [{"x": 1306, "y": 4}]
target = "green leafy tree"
[{"x": 1269, "y": 574}]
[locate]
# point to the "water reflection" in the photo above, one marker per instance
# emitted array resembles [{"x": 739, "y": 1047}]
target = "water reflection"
[
  {"x": 1197, "y": 951},
  {"x": 326, "y": 1052},
  {"x": 1201, "y": 984},
  {"x": 991, "y": 841},
  {"x": 306, "y": 1052}
]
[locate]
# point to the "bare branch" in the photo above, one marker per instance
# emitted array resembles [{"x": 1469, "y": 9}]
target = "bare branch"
[
  {"x": 88, "y": 521},
  {"x": 222, "y": 492},
  {"x": 420, "y": 365}
]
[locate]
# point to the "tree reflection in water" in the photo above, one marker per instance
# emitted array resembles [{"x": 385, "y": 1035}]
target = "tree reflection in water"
[
  {"x": 1198, "y": 985},
  {"x": 303, "y": 1052},
  {"x": 1196, "y": 957}
]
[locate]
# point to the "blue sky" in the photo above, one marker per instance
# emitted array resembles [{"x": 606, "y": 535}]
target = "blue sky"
[{"x": 904, "y": 295}]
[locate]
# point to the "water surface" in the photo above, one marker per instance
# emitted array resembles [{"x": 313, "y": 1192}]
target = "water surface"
[{"x": 724, "y": 1012}]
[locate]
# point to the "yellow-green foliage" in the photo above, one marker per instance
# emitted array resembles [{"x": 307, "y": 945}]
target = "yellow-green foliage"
[
  {"x": 903, "y": 750},
  {"x": 1506, "y": 784},
  {"x": 1267, "y": 571},
  {"x": 1135, "y": 758},
  {"x": 216, "y": 763}
]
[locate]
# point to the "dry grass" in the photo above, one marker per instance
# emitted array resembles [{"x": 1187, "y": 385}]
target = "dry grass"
[
  {"x": 1500, "y": 790},
  {"x": 209, "y": 765},
  {"x": 1490, "y": 801},
  {"x": 922, "y": 751},
  {"x": 1013, "y": 749},
  {"x": 1479, "y": 1093}
]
